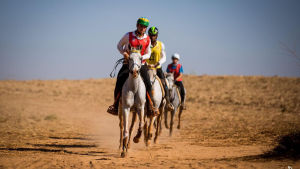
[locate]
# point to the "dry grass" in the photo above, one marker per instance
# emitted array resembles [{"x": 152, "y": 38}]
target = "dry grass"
[
  {"x": 288, "y": 145},
  {"x": 51, "y": 117}
]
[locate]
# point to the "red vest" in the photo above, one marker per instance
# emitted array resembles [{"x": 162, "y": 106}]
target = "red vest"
[
  {"x": 176, "y": 71},
  {"x": 134, "y": 42}
]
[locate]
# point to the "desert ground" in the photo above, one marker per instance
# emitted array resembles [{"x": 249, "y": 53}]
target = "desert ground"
[{"x": 230, "y": 122}]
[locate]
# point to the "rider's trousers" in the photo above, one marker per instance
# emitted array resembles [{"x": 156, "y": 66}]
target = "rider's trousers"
[
  {"x": 121, "y": 79},
  {"x": 182, "y": 90},
  {"x": 146, "y": 78}
]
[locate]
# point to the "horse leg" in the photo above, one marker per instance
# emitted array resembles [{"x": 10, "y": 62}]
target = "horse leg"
[
  {"x": 161, "y": 109},
  {"x": 157, "y": 128},
  {"x": 145, "y": 132},
  {"x": 150, "y": 130},
  {"x": 121, "y": 126},
  {"x": 160, "y": 125},
  {"x": 126, "y": 112},
  {"x": 172, "y": 121},
  {"x": 137, "y": 138},
  {"x": 134, "y": 118},
  {"x": 179, "y": 115},
  {"x": 166, "y": 119}
]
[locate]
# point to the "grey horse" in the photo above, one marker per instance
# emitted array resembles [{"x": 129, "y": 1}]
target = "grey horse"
[
  {"x": 174, "y": 99},
  {"x": 159, "y": 102},
  {"x": 133, "y": 99}
]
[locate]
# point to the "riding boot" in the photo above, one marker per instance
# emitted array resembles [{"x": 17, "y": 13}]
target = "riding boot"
[
  {"x": 113, "y": 109},
  {"x": 170, "y": 106}
]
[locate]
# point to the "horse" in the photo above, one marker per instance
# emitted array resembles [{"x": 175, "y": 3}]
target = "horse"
[
  {"x": 159, "y": 102},
  {"x": 175, "y": 100},
  {"x": 133, "y": 99}
]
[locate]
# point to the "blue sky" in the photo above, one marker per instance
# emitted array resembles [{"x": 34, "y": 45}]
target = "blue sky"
[{"x": 70, "y": 39}]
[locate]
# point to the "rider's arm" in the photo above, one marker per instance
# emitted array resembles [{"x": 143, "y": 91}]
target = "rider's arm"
[
  {"x": 147, "y": 52},
  {"x": 180, "y": 73},
  {"x": 162, "y": 54},
  {"x": 123, "y": 42}
]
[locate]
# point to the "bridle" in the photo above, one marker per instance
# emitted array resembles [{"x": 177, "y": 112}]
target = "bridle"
[
  {"x": 152, "y": 82},
  {"x": 130, "y": 68},
  {"x": 138, "y": 65}
]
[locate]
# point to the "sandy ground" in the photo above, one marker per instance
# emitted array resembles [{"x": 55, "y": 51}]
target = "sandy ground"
[{"x": 229, "y": 122}]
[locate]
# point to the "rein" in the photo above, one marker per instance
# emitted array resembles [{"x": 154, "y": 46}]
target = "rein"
[{"x": 115, "y": 67}]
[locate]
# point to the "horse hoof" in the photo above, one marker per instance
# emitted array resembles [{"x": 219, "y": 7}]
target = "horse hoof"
[
  {"x": 123, "y": 154},
  {"x": 160, "y": 132},
  {"x": 148, "y": 143},
  {"x": 170, "y": 134},
  {"x": 178, "y": 126},
  {"x": 166, "y": 125},
  {"x": 155, "y": 141},
  {"x": 136, "y": 140}
]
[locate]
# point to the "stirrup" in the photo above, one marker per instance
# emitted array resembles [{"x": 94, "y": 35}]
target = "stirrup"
[{"x": 112, "y": 110}]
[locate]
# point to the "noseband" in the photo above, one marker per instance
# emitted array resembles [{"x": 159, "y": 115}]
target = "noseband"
[{"x": 131, "y": 71}]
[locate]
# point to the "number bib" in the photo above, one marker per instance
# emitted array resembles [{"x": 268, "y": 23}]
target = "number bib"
[{"x": 155, "y": 54}]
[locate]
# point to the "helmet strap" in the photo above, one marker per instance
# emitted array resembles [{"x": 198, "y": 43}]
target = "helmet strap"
[{"x": 138, "y": 33}]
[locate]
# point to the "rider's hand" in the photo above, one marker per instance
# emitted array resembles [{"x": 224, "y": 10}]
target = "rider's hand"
[
  {"x": 126, "y": 56},
  {"x": 156, "y": 64}
]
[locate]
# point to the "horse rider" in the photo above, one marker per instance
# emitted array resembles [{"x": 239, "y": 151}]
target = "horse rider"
[
  {"x": 135, "y": 38},
  {"x": 157, "y": 58},
  {"x": 177, "y": 69}
]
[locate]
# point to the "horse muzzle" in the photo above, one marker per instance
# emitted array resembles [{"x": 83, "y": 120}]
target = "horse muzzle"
[{"x": 135, "y": 73}]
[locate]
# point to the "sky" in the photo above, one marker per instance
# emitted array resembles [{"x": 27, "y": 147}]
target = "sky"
[{"x": 72, "y": 39}]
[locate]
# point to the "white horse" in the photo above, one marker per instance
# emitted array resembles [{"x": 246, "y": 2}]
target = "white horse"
[
  {"x": 133, "y": 99},
  {"x": 159, "y": 102},
  {"x": 174, "y": 99}
]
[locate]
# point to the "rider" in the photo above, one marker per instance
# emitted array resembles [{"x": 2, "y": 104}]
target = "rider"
[
  {"x": 177, "y": 69},
  {"x": 135, "y": 38},
  {"x": 157, "y": 58}
]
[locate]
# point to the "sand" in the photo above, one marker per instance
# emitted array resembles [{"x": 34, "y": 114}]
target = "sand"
[{"x": 229, "y": 122}]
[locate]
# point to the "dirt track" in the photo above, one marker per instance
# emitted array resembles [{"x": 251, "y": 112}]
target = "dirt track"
[{"x": 230, "y": 121}]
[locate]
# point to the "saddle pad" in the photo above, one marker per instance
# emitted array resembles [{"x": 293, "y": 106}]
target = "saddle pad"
[
  {"x": 161, "y": 86},
  {"x": 178, "y": 92}
]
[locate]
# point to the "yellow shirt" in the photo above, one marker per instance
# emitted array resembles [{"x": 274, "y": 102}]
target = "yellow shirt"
[{"x": 155, "y": 54}]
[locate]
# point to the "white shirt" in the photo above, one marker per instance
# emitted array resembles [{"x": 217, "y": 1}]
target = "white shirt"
[{"x": 125, "y": 41}]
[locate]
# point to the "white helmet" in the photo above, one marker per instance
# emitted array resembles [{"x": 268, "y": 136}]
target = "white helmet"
[{"x": 175, "y": 55}]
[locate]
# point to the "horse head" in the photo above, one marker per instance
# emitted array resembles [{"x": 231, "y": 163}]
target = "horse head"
[
  {"x": 151, "y": 71},
  {"x": 170, "y": 79},
  {"x": 135, "y": 60}
]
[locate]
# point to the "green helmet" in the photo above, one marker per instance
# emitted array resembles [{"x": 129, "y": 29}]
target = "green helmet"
[
  {"x": 153, "y": 31},
  {"x": 143, "y": 21}
]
